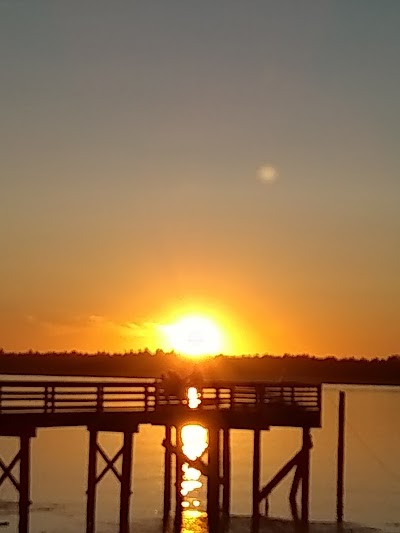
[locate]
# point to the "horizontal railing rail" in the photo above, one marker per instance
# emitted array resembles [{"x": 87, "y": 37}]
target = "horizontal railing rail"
[{"x": 80, "y": 396}]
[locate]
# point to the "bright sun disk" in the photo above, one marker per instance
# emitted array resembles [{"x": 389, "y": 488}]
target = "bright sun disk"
[{"x": 194, "y": 336}]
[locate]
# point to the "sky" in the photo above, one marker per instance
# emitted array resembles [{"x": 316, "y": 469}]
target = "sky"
[{"x": 235, "y": 160}]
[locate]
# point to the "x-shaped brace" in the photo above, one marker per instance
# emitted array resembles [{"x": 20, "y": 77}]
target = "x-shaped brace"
[
  {"x": 110, "y": 464},
  {"x": 7, "y": 471}
]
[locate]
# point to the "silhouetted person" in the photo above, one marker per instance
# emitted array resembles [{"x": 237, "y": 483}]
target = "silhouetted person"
[
  {"x": 173, "y": 386},
  {"x": 195, "y": 379}
]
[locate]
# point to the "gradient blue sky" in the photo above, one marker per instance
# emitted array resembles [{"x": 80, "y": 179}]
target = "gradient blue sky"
[{"x": 131, "y": 141}]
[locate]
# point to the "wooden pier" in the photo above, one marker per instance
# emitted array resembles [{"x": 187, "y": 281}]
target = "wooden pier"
[{"x": 122, "y": 406}]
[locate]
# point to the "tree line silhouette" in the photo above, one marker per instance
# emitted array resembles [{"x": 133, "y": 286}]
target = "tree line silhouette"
[{"x": 300, "y": 368}]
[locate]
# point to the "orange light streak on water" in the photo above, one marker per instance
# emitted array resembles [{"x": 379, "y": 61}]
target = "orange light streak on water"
[{"x": 194, "y": 444}]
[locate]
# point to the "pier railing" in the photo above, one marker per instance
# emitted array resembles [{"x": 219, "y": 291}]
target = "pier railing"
[{"x": 83, "y": 396}]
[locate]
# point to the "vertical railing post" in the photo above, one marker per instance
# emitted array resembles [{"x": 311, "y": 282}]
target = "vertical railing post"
[
  {"x": 46, "y": 399},
  {"x": 52, "y": 398},
  {"x": 319, "y": 400},
  {"x": 156, "y": 395},
  {"x": 100, "y": 398},
  {"x": 259, "y": 396}
]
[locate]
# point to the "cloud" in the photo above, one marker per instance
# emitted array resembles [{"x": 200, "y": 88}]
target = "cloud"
[
  {"x": 96, "y": 330},
  {"x": 55, "y": 326},
  {"x": 267, "y": 174},
  {"x": 97, "y": 319},
  {"x": 136, "y": 329}
]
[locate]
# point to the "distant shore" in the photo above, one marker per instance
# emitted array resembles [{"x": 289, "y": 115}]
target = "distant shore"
[{"x": 296, "y": 368}]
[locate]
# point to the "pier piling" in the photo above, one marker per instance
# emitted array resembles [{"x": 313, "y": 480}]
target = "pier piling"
[
  {"x": 256, "y": 481},
  {"x": 91, "y": 482},
  {"x": 167, "y": 475},
  {"x": 178, "y": 479},
  {"x": 305, "y": 473},
  {"x": 213, "y": 480},
  {"x": 24, "y": 483},
  {"x": 340, "y": 458},
  {"x": 21, "y": 482},
  {"x": 126, "y": 476},
  {"x": 226, "y": 473}
]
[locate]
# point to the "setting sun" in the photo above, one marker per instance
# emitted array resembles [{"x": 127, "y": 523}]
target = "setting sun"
[{"x": 195, "y": 336}]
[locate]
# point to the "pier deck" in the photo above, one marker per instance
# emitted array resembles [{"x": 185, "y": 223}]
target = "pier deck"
[
  {"x": 79, "y": 403},
  {"x": 122, "y": 406}
]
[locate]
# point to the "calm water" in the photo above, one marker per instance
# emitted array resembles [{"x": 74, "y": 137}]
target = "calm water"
[{"x": 372, "y": 478}]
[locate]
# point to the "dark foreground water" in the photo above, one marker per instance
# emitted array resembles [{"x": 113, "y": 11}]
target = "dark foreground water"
[{"x": 372, "y": 477}]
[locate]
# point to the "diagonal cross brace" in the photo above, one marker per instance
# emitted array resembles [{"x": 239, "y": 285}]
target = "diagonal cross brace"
[
  {"x": 7, "y": 471},
  {"x": 198, "y": 463},
  {"x": 284, "y": 471},
  {"x": 110, "y": 464}
]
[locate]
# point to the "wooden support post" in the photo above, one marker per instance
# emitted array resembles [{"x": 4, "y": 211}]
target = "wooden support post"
[
  {"x": 340, "y": 458},
  {"x": 167, "y": 475},
  {"x": 305, "y": 476},
  {"x": 293, "y": 493},
  {"x": 178, "y": 479},
  {"x": 91, "y": 483},
  {"x": 126, "y": 476},
  {"x": 220, "y": 473},
  {"x": 226, "y": 475},
  {"x": 213, "y": 480},
  {"x": 266, "y": 508},
  {"x": 256, "y": 481},
  {"x": 24, "y": 481}
]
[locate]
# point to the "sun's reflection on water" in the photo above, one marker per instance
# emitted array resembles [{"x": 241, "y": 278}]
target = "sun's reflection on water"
[
  {"x": 194, "y": 445},
  {"x": 195, "y": 441},
  {"x": 194, "y": 521}
]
